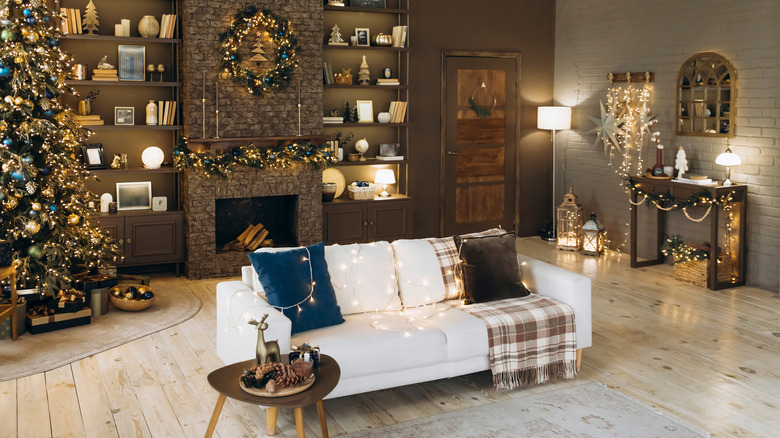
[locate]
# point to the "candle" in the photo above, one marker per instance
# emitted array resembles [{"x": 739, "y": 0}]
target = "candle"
[
  {"x": 203, "y": 106},
  {"x": 216, "y": 92},
  {"x": 118, "y": 30},
  {"x": 125, "y": 27}
]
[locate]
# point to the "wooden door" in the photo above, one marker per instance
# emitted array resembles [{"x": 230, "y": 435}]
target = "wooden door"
[{"x": 479, "y": 142}]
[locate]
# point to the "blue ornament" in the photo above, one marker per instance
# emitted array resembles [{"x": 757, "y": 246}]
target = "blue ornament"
[
  {"x": 28, "y": 159},
  {"x": 8, "y": 141},
  {"x": 308, "y": 152},
  {"x": 232, "y": 57},
  {"x": 148, "y": 295},
  {"x": 53, "y": 207},
  {"x": 32, "y": 213},
  {"x": 284, "y": 56},
  {"x": 272, "y": 157},
  {"x": 49, "y": 113},
  {"x": 17, "y": 175},
  {"x": 207, "y": 162},
  {"x": 52, "y": 42},
  {"x": 49, "y": 94},
  {"x": 45, "y": 170},
  {"x": 5, "y": 71},
  {"x": 45, "y": 19},
  {"x": 26, "y": 12},
  {"x": 30, "y": 20}
]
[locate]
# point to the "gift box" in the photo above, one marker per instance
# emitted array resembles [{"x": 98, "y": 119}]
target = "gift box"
[
  {"x": 6, "y": 253},
  {"x": 44, "y": 323},
  {"x": 5, "y": 325},
  {"x": 362, "y": 193},
  {"x": 98, "y": 281}
]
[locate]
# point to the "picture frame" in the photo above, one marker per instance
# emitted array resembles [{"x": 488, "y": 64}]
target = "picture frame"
[
  {"x": 368, "y": 4},
  {"x": 389, "y": 149},
  {"x": 93, "y": 156},
  {"x": 365, "y": 109},
  {"x": 132, "y": 61},
  {"x": 124, "y": 115},
  {"x": 134, "y": 195},
  {"x": 363, "y": 35}
]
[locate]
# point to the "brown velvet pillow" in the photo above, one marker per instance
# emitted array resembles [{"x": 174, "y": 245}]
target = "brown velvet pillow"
[{"x": 490, "y": 269}]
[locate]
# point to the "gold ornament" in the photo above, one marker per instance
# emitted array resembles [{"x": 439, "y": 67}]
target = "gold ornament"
[
  {"x": 19, "y": 59},
  {"x": 18, "y": 100},
  {"x": 48, "y": 192},
  {"x": 5, "y": 167},
  {"x": 11, "y": 203},
  {"x": 19, "y": 195},
  {"x": 36, "y": 206},
  {"x": 32, "y": 37},
  {"x": 32, "y": 227},
  {"x": 73, "y": 219}
]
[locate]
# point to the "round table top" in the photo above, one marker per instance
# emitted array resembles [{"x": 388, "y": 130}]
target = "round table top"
[{"x": 226, "y": 381}]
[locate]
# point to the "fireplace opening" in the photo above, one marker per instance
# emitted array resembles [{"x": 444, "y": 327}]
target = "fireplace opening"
[{"x": 272, "y": 214}]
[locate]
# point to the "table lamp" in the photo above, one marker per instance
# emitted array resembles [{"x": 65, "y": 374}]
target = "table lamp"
[
  {"x": 384, "y": 177},
  {"x": 728, "y": 159},
  {"x": 553, "y": 118}
]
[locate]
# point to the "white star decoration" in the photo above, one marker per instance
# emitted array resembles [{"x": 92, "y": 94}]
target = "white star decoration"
[{"x": 607, "y": 128}]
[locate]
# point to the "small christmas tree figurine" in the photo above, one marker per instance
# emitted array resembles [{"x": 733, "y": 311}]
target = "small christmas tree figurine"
[
  {"x": 364, "y": 75},
  {"x": 335, "y": 37},
  {"x": 91, "y": 22},
  {"x": 44, "y": 203},
  {"x": 259, "y": 48},
  {"x": 347, "y": 113}
]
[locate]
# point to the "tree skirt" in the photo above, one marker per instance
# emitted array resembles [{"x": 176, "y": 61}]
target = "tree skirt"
[
  {"x": 32, "y": 354},
  {"x": 589, "y": 410}
]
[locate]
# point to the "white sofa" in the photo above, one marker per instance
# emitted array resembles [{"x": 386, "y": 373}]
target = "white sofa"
[{"x": 377, "y": 347}]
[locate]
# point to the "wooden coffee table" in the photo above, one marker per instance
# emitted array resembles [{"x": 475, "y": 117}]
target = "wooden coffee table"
[{"x": 225, "y": 381}]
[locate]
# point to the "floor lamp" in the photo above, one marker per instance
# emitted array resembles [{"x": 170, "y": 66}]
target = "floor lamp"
[{"x": 553, "y": 118}]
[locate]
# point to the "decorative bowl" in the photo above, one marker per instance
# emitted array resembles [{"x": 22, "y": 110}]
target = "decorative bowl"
[{"x": 118, "y": 292}]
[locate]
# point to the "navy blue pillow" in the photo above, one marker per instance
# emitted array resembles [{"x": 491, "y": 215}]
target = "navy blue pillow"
[{"x": 286, "y": 278}]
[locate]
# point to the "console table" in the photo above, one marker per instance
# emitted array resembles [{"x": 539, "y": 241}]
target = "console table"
[{"x": 684, "y": 191}]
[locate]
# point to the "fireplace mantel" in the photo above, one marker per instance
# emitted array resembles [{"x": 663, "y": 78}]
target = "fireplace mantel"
[{"x": 223, "y": 143}]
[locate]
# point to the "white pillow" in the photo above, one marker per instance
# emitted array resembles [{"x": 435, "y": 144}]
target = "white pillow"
[
  {"x": 363, "y": 276},
  {"x": 419, "y": 272}
]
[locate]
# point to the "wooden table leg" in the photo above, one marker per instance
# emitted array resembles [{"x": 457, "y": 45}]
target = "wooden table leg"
[
  {"x": 323, "y": 421},
  {"x": 270, "y": 420},
  {"x": 215, "y": 415},
  {"x": 299, "y": 423}
]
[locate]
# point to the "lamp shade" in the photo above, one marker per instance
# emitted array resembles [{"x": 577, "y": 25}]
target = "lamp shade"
[
  {"x": 554, "y": 117},
  {"x": 384, "y": 176},
  {"x": 728, "y": 159}
]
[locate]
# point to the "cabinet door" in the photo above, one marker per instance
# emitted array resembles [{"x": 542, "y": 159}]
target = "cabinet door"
[
  {"x": 154, "y": 239},
  {"x": 115, "y": 226},
  {"x": 344, "y": 223},
  {"x": 390, "y": 220}
]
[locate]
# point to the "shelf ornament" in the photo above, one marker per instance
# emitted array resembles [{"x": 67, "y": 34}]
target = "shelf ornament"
[
  {"x": 270, "y": 29},
  {"x": 223, "y": 163}
]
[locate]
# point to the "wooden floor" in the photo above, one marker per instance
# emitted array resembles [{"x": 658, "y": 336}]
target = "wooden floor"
[{"x": 711, "y": 358}]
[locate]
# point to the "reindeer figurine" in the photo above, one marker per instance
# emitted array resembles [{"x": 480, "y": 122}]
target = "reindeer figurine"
[{"x": 265, "y": 350}]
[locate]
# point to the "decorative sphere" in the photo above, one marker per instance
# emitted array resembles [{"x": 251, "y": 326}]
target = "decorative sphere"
[
  {"x": 129, "y": 295},
  {"x": 32, "y": 227},
  {"x": 28, "y": 159},
  {"x": 116, "y": 292},
  {"x": 34, "y": 251},
  {"x": 18, "y": 100},
  {"x": 5, "y": 71},
  {"x": 36, "y": 206},
  {"x": 53, "y": 207},
  {"x": 8, "y": 141},
  {"x": 32, "y": 213},
  {"x": 17, "y": 175},
  {"x": 30, "y": 20},
  {"x": 52, "y": 42},
  {"x": 73, "y": 219},
  {"x": 152, "y": 157},
  {"x": 132, "y": 289},
  {"x": 45, "y": 170},
  {"x": 7, "y": 35},
  {"x": 148, "y": 295},
  {"x": 32, "y": 37},
  {"x": 49, "y": 193},
  {"x": 26, "y": 12},
  {"x": 361, "y": 145}
]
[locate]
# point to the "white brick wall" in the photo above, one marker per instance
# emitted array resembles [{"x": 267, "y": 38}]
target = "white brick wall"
[{"x": 595, "y": 37}]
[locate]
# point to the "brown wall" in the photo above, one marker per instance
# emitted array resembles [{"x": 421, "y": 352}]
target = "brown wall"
[{"x": 523, "y": 26}]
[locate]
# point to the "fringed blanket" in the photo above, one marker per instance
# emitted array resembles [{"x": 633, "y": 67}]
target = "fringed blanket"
[{"x": 532, "y": 339}]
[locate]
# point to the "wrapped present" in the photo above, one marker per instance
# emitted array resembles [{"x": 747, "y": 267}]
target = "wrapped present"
[
  {"x": 42, "y": 323},
  {"x": 298, "y": 351},
  {"x": 6, "y": 253},
  {"x": 98, "y": 281},
  {"x": 69, "y": 300}
]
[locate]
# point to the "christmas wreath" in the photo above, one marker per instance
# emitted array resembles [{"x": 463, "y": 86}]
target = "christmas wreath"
[{"x": 285, "y": 43}]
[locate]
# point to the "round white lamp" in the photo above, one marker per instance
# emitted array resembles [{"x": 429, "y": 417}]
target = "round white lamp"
[
  {"x": 384, "y": 177},
  {"x": 153, "y": 157},
  {"x": 728, "y": 159}
]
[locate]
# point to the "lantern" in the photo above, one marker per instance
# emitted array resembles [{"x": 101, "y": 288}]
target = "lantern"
[
  {"x": 593, "y": 237},
  {"x": 569, "y": 223}
]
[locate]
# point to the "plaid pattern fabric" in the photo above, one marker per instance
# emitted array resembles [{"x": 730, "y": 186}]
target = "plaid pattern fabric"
[
  {"x": 449, "y": 262},
  {"x": 532, "y": 339}
]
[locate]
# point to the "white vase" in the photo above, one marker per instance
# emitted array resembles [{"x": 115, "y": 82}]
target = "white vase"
[
  {"x": 148, "y": 27},
  {"x": 151, "y": 113},
  {"x": 383, "y": 117}
]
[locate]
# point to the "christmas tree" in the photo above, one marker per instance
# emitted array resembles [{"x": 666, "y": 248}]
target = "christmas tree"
[
  {"x": 259, "y": 51},
  {"x": 42, "y": 191},
  {"x": 91, "y": 22}
]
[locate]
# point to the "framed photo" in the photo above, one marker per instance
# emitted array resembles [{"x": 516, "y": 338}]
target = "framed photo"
[
  {"x": 93, "y": 156},
  {"x": 365, "y": 110},
  {"x": 134, "y": 195},
  {"x": 124, "y": 115},
  {"x": 389, "y": 149},
  {"x": 363, "y": 35},
  {"x": 367, "y": 3},
  {"x": 131, "y": 62}
]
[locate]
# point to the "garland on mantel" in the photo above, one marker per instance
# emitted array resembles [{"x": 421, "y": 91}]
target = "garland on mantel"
[
  {"x": 222, "y": 163},
  {"x": 285, "y": 42}
]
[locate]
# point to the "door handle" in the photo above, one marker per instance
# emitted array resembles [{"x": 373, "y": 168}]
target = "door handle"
[{"x": 453, "y": 153}]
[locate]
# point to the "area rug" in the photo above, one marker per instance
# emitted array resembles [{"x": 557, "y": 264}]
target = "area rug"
[
  {"x": 589, "y": 410},
  {"x": 32, "y": 354}
]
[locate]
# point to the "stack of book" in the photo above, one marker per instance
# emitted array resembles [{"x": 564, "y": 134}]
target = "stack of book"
[
  {"x": 90, "y": 120},
  {"x": 397, "y": 111},
  {"x": 391, "y": 81},
  {"x": 71, "y": 21},
  {"x": 399, "y": 36},
  {"x": 327, "y": 73},
  {"x": 332, "y": 120},
  {"x": 104, "y": 75},
  {"x": 166, "y": 112},
  {"x": 167, "y": 25}
]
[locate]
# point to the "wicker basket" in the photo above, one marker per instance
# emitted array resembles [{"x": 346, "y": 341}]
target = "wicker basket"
[
  {"x": 696, "y": 271},
  {"x": 362, "y": 193}
]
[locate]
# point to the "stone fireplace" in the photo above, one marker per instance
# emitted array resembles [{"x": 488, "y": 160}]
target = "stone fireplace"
[{"x": 300, "y": 190}]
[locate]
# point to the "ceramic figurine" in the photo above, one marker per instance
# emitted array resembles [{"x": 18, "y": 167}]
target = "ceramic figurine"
[
  {"x": 681, "y": 163},
  {"x": 265, "y": 350}
]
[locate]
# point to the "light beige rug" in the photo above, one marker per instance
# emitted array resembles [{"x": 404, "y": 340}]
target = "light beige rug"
[
  {"x": 585, "y": 411},
  {"x": 32, "y": 354}
]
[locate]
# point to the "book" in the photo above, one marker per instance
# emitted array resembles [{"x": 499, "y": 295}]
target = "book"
[
  {"x": 393, "y": 158},
  {"x": 171, "y": 120},
  {"x": 160, "y": 109},
  {"x": 64, "y": 27},
  {"x": 97, "y": 78},
  {"x": 90, "y": 122},
  {"x": 701, "y": 182},
  {"x": 399, "y": 36},
  {"x": 87, "y": 117},
  {"x": 332, "y": 120},
  {"x": 166, "y": 113}
]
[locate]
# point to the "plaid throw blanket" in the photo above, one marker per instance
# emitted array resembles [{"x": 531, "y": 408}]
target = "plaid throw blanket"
[{"x": 532, "y": 339}]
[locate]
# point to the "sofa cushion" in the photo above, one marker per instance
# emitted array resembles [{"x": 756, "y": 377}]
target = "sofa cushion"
[
  {"x": 363, "y": 276},
  {"x": 419, "y": 273},
  {"x": 360, "y": 349},
  {"x": 490, "y": 268},
  {"x": 466, "y": 334},
  {"x": 297, "y": 282}
]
